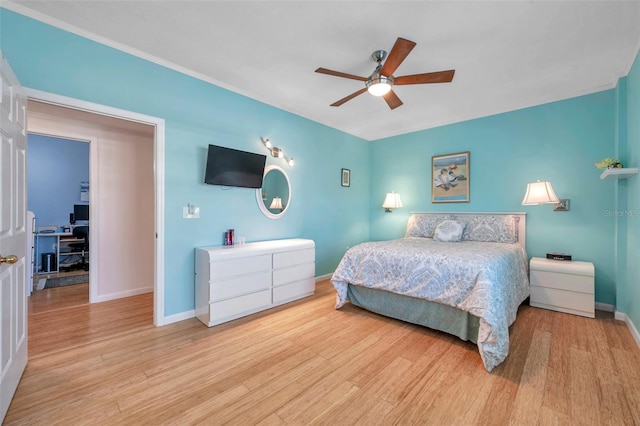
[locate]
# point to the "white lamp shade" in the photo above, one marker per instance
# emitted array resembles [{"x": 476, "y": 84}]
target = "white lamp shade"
[
  {"x": 276, "y": 203},
  {"x": 392, "y": 201},
  {"x": 539, "y": 193}
]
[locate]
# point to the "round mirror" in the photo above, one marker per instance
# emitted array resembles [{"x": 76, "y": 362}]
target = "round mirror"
[{"x": 275, "y": 195}]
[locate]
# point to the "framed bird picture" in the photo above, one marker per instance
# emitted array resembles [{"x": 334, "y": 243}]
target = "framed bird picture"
[{"x": 450, "y": 177}]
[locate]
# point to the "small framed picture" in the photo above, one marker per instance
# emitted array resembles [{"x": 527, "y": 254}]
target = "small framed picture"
[
  {"x": 450, "y": 178},
  {"x": 346, "y": 177}
]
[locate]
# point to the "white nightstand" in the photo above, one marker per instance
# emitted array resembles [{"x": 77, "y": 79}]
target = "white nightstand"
[{"x": 564, "y": 286}]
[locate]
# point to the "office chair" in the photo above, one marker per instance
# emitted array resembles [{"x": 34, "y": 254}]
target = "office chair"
[{"x": 82, "y": 232}]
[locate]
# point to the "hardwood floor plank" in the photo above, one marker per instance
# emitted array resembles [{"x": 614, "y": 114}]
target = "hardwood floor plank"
[
  {"x": 528, "y": 401},
  {"x": 432, "y": 373},
  {"x": 307, "y": 363},
  {"x": 585, "y": 394},
  {"x": 317, "y": 402},
  {"x": 43, "y": 301}
]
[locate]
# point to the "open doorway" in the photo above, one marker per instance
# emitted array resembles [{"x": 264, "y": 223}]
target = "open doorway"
[
  {"x": 58, "y": 199},
  {"x": 121, "y": 198}
]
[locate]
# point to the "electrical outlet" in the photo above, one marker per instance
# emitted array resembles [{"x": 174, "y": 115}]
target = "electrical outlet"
[{"x": 191, "y": 212}]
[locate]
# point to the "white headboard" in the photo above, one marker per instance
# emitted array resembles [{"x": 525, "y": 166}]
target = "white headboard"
[{"x": 520, "y": 219}]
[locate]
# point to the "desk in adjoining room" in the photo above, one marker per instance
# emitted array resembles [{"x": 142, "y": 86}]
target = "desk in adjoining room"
[{"x": 57, "y": 251}]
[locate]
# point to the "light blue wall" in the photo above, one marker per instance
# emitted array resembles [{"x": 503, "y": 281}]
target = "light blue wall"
[
  {"x": 197, "y": 114},
  {"x": 55, "y": 168},
  {"x": 629, "y": 288},
  {"x": 558, "y": 142}
]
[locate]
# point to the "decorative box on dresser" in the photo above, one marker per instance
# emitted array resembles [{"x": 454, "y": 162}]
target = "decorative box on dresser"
[
  {"x": 564, "y": 286},
  {"x": 235, "y": 281}
]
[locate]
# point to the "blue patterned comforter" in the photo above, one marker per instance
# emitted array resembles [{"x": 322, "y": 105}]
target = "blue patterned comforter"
[{"x": 488, "y": 280}]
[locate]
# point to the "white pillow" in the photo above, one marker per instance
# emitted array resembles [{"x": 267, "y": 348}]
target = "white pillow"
[
  {"x": 422, "y": 225},
  {"x": 448, "y": 231}
]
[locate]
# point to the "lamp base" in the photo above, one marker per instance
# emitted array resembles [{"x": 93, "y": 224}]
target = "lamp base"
[{"x": 562, "y": 205}]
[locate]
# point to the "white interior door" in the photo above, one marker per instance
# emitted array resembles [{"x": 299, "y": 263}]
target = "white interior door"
[{"x": 13, "y": 237}]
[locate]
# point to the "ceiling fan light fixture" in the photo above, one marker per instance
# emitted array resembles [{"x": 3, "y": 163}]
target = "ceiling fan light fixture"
[{"x": 379, "y": 86}]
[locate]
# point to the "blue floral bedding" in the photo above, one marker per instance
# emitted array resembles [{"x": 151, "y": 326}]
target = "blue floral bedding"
[{"x": 486, "y": 279}]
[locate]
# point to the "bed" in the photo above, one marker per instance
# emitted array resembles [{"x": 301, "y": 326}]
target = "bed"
[{"x": 461, "y": 273}]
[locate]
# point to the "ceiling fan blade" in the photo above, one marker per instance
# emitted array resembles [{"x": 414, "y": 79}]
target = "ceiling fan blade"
[
  {"x": 348, "y": 98},
  {"x": 392, "y": 99},
  {"x": 398, "y": 53},
  {"x": 428, "y": 77},
  {"x": 340, "y": 74}
]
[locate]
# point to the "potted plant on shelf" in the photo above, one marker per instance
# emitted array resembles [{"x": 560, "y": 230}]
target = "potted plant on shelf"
[{"x": 609, "y": 163}]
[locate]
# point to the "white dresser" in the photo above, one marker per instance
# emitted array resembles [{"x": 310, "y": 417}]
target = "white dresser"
[
  {"x": 234, "y": 281},
  {"x": 564, "y": 286}
]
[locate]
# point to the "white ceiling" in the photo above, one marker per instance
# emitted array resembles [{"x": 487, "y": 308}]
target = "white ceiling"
[{"x": 507, "y": 54}]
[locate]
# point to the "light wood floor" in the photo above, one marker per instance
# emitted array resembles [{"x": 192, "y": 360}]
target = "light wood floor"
[{"x": 306, "y": 363}]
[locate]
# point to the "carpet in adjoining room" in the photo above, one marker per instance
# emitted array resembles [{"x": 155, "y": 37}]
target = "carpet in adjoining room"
[{"x": 64, "y": 281}]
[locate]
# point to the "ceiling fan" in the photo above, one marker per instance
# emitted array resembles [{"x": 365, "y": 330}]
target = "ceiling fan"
[{"x": 380, "y": 81}]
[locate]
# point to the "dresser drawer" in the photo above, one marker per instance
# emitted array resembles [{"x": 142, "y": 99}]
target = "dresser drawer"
[
  {"x": 294, "y": 273},
  {"x": 221, "y": 269},
  {"x": 237, "y": 307},
  {"x": 294, "y": 290},
  {"x": 295, "y": 257},
  {"x": 245, "y": 284}
]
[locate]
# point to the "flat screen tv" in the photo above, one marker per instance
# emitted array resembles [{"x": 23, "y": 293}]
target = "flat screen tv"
[{"x": 232, "y": 167}]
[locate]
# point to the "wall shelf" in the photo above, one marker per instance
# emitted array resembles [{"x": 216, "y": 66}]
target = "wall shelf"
[{"x": 623, "y": 173}]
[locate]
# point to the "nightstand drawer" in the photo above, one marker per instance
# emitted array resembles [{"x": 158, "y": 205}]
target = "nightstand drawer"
[
  {"x": 563, "y": 301},
  {"x": 567, "y": 282}
]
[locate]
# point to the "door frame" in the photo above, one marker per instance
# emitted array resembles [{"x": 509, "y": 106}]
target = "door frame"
[{"x": 159, "y": 318}]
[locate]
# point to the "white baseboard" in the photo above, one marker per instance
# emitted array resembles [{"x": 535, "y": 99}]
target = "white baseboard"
[
  {"x": 620, "y": 316},
  {"x": 120, "y": 295},
  {"x": 323, "y": 277},
  {"x": 605, "y": 307},
  {"x": 181, "y": 316}
]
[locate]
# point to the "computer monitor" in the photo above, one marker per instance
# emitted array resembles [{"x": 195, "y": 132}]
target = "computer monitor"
[{"x": 81, "y": 211}]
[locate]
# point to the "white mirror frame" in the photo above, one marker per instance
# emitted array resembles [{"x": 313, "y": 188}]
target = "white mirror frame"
[{"x": 264, "y": 208}]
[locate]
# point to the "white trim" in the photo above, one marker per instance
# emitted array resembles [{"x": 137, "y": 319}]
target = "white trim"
[
  {"x": 323, "y": 277},
  {"x": 158, "y": 149},
  {"x": 121, "y": 294},
  {"x": 94, "y": 223},
  {"x": 158, "y": 294},
  {"x": 605, "y": 307},
  {"x": 179, "y": 317},
  {"x": 620, "y": 316}
]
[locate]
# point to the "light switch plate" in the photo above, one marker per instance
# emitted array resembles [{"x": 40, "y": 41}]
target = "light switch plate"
[{"x": 191, "y": 212}]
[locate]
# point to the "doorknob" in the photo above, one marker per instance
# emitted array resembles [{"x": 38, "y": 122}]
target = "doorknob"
[{"x": 11, "y": 259}]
